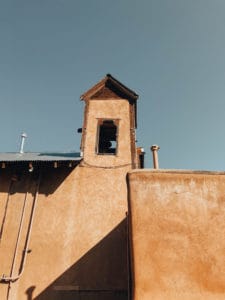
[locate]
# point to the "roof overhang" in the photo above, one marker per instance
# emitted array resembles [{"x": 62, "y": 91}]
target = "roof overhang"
[
  {"x": 113, "y": 84},
  {"x": 70, "y": 159}
]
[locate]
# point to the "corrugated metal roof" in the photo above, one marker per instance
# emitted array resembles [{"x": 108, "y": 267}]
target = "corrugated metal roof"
[{"x": 39, "y": 156}]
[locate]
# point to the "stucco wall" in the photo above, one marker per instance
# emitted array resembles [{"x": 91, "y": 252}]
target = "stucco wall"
[
  {"x": 118, "y": 109},
  {"x": 78, "y": 245},
  {"x": 178, "y": 235}
]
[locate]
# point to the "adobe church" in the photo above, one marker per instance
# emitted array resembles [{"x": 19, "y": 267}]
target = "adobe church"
[{"x": 96, "y": 225}]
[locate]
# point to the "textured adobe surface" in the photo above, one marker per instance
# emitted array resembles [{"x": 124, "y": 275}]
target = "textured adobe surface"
[
  {"x": 78, "y": 239},
  {"x": 178, "y": 235}
]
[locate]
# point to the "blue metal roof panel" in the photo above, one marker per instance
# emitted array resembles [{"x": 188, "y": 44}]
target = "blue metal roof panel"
[{"x": 39, "y": 156}]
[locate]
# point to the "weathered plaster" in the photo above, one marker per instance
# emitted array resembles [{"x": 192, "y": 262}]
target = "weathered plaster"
[
  {"x": 79, "y": 236},
  {"x": 110, "y": 109},
  {"x": 83, "y": 222},
  {"x": 177, "y": 234}
]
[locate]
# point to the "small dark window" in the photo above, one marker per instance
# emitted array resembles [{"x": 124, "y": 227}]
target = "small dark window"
[{"x": 107, "y": 137}]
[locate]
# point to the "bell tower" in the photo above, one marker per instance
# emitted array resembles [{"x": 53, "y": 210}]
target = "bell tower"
[{"x": 108, "y": 133}]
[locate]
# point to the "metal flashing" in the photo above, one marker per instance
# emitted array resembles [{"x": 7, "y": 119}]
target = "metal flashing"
[{"x": 39, "y": 157}]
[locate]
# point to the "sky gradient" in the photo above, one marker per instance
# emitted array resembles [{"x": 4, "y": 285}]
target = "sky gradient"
[{"x": 172, "y": 53}]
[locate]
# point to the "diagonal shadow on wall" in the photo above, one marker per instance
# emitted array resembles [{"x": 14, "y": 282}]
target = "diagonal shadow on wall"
[{"x": 101, "y": 274}]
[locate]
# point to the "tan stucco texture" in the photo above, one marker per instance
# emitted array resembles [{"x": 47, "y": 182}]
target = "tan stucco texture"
[
  {"x": 178, "y": 235},
  {"x": 110, "y": 109},
  {"x": 78, "y": 237}
]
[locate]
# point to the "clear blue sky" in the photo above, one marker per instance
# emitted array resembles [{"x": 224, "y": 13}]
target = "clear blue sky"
[{"x": 171, "y": 52}]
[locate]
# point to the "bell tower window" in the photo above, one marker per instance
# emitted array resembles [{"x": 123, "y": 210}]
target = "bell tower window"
[{"x": 107, "y": 137}]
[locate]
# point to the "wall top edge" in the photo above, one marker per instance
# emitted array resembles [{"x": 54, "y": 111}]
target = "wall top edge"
[{"x": 175, "y": 171}]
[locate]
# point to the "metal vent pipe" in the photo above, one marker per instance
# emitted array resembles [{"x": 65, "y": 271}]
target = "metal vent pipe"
[
  {"x": 23, "y": 137},
  {"x": 155, "y": 149}
]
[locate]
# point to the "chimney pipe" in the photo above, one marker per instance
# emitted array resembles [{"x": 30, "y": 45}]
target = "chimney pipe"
[
  {"x": 23, "y": 137},
  {"x": 154, "y": 149}
]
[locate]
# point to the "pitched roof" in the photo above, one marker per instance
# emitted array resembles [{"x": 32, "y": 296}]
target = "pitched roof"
[{"x": 112, "y": 84}]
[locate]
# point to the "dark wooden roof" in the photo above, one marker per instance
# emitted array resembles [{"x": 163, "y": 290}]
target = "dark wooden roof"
[{"x": 109, "y": 87}]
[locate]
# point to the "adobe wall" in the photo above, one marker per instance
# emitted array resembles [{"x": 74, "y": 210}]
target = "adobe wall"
[
  {"x": 178, "y": 235},
  {"x": 78, "y": 245},
  {"x": 117, "y": 109}
]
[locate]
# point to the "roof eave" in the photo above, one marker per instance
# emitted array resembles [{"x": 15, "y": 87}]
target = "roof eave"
[{"x": 130, "y": 95}]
